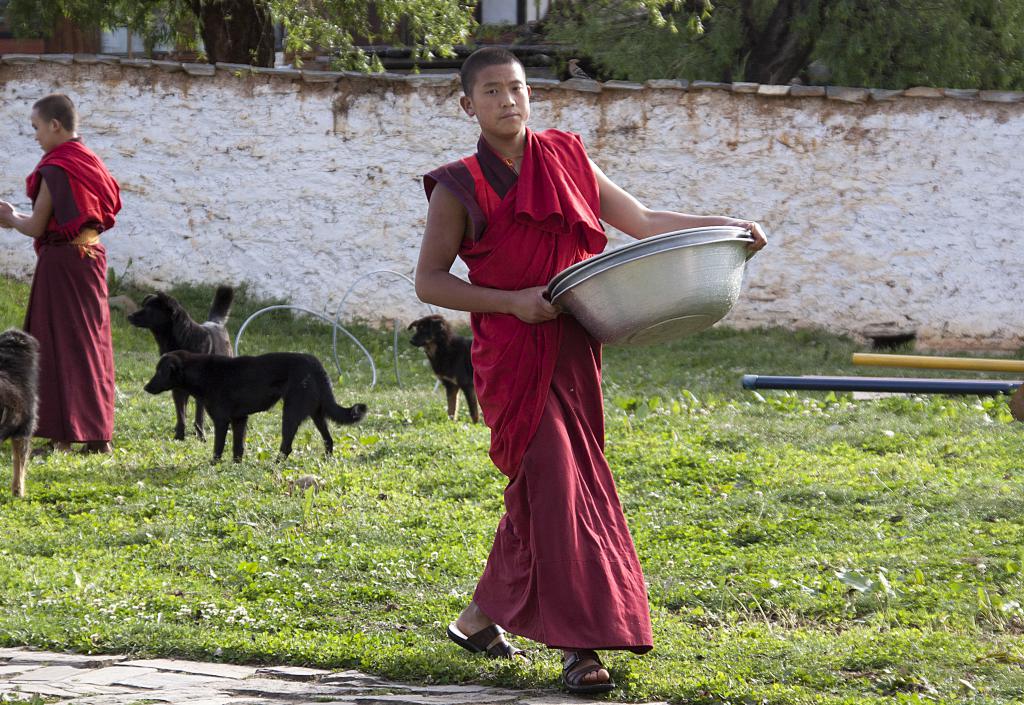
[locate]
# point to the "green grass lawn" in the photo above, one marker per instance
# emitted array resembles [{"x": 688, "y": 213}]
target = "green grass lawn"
[{"x": 798, "y": 548}]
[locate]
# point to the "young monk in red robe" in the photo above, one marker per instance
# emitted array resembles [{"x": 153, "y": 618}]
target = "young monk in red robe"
[
  {"x": 563, "y": 570},
  {"x": 74, "y": 199}
]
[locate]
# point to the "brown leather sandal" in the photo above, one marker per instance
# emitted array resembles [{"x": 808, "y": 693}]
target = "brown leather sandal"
[
  {"x": 574, "y": 671},
  {"x": 480, "y": 642}
]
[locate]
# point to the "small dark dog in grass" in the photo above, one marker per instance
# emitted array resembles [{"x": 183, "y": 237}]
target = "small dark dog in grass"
[
  {"x": 174, "y": 329},
  {"x": 450, "y": 359},
  {"x": 19, "y": 377},
  {"x": 232, "y": 388}
]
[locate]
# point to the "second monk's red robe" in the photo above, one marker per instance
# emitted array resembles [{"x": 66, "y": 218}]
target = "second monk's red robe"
[
  {"x": 67, "y": 310},
  {"x": 563, "y": 569}
]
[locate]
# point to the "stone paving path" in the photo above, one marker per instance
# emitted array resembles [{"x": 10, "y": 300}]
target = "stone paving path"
[{"x": 76, "y": 679}]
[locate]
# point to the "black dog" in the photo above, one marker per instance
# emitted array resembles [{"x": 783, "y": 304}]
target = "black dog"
[
  {"x": 231, "y": 388},
  {"x": 450, "y": 359},
  {"x": 19, "y": 376},
  {"x": 174, "y": 329}
]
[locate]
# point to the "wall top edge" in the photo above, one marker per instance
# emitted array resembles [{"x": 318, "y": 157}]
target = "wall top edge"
[{"x": 846, "y": 94}]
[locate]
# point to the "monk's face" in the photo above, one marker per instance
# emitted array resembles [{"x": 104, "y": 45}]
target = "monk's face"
[
  {"x": 49, "y": 133},
  {"x": 499, "y": 100}
]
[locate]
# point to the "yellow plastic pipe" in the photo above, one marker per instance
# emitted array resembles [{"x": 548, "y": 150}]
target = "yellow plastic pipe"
[{"x": 976, "y": 364}]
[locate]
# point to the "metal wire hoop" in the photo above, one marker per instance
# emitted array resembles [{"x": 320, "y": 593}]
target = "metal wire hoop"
[
  {"x": 341, "y": 309},
  {"x": 334, "y": 323}
]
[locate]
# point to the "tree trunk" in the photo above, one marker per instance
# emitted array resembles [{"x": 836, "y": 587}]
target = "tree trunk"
[
  {"x": 779, "y": 50},
  {"x": 236, "y": 31}
]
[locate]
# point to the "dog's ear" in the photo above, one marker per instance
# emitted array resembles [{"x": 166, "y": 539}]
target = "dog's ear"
[{"x": 170, "y": 362}]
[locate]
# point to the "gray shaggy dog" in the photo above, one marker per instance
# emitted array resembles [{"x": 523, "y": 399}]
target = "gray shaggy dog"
[{"x": 19, "y": 378}]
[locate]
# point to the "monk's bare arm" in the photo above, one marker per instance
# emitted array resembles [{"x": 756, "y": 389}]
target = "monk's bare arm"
[
  {"x": 435, "y": 284},
  {"x": 621, "y": 210},
  {"x": 32, "y": 224}
]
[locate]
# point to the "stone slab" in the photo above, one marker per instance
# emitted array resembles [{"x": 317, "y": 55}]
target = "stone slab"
[
  {"x": 47, "y": 690},
  {"x": 1001, "y": 96},
  {"x": 457, "y": 689},
  {"x": 199, "y": 69},
  {"x": 587, "y": 85},
  {"x": 178, "y": 697},
  {"x": 320, "y": 76},
  {"x": 47, "y": 674},
  {"x": 352, "y": 677},
  {"x": 272, "y": 687},
  {"x": 9, "y": 651},
  {"x": 292, "y": 673},
  {"x": 709, "y": 85},
  {"x": 20, "y": 58},
  {"x": 774, "y": 91},
  {"x": 234, "y": 68},
  {"x": 923, "y": 92},
  {"x": 284, "y": 71},
  {"x": 544, "y": 83},
  {"x": 744, "y": 87},
  {"x": 109, "y": 675},
  {"x": 846, "y": 95},
  {"x": 671, "y": 84},
  {"x": 162, "y": 680},
  {"x": 219, "y": 670},
  {"x": 807, "y": 91},
  {"x": 961, "y": 93},
  {"x": 624, "y": 85},
  {"x": 449, "y": 699},
  {"x": 63, "y": 59},
  {"x": 433, "y": 79},
  {"x": 8, "y": 671},
  {"x": 55, "y": 659},
  {"x": 169, "y": 66},
  {"x": 883, "y": 94}
]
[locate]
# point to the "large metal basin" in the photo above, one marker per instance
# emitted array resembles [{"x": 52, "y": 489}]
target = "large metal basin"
[
  {"x": 647, "y": 246},
  {"x": 658, "y": 289}
]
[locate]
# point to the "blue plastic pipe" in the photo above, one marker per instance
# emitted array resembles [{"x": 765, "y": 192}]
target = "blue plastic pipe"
[{"x": 905, "y": 385}]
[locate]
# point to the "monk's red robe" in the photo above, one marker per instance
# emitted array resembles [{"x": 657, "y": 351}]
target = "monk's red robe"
[
  {"x": 68, "y": 311},
  {"x": 563, "y": 569}
]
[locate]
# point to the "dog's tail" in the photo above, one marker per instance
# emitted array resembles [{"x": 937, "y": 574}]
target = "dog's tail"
[
  {"x": 221, "y": 305},
  {"x": 332, "y": 410},
  {"x": 344, "y": 414}
]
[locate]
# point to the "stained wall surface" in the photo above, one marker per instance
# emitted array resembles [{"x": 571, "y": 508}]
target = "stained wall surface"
[{"x": 885, "y": 211}]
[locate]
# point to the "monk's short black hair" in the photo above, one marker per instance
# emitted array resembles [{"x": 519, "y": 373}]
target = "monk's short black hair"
[
  {"x": 59, "y": 107},
  {"x": 481, "y": 59}
]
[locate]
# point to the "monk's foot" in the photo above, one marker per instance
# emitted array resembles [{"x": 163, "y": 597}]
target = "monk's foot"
[
  {"x": 477, "y": 633},
  {"x": 62, "y": 446},
  {"x": 98, "y": 447},
  {"x": 472, "y": 620},
  {"x": 583, "y": 672}
]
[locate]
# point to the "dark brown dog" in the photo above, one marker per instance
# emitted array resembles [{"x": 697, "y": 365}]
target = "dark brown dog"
[
  {"x": 450, "y": 359},
  {"x": 232, "y": 388},
  {"x": 174, "y": 329},
  {"x": 19, "y": 376}
]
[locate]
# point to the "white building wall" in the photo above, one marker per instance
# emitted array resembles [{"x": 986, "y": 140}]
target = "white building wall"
[{"x": 903, "y": 213}]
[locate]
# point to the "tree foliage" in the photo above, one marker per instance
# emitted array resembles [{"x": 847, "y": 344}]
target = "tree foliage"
[
  {"x": 950, "y": 43},
  {"x": 241, "y": 31}
]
